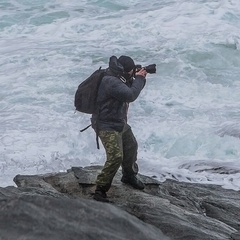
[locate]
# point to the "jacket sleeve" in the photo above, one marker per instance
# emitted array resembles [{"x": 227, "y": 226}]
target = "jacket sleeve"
[{"x": 119, "y": 90}]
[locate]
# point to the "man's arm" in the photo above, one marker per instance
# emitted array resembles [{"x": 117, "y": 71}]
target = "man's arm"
[{"x": 119, "y": 90}]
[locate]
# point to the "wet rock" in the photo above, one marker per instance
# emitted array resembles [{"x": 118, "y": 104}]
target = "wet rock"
[
  {"x": 178, "y": 210},
  {"x": 40, "y": 218}
]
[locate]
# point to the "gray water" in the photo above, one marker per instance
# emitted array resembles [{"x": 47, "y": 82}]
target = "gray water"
[{"x": 186, "y": 119}]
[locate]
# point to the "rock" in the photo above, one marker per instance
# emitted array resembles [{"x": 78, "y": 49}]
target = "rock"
[
  {"x": 235, "y": 236},
  {"x": 40, "y": 218},
  {"x": 181, "y": 211}
]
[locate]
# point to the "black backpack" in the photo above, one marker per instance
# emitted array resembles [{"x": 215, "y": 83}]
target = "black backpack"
[{"x": 86, "y": 95}]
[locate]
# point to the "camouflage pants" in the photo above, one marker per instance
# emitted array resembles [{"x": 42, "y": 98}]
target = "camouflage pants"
[{"x": 121, "y": 150}]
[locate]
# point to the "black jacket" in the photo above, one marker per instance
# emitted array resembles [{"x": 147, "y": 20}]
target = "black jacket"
[{"x": 114, "y": 96}]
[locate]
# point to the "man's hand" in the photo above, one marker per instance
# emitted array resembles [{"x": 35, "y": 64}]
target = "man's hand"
[{"x": 141, "y": 72}]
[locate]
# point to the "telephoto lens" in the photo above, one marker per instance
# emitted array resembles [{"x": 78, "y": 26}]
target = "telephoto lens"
[{"x": 150, "y": 68}]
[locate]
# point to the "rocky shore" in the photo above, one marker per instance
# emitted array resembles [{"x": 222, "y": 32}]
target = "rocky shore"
[{"x": 60, "y": 206}]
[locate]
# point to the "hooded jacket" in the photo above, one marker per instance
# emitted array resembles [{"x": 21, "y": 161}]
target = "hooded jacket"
[{"x": 114, "y": 95}]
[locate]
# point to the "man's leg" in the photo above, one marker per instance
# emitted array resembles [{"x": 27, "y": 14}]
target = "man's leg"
[
  {"x": 129, "y": 165},
  {"x": 130, "y": 147},
  {"x": 112, "y": 142}
]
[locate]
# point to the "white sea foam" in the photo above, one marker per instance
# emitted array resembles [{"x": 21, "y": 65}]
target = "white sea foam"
[{"x": 186, "y": 120}]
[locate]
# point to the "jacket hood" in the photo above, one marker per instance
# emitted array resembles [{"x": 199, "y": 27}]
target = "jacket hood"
[{"x": 115, "y": 66}]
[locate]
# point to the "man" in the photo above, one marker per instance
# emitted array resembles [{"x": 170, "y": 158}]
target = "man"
[{"x": 119, "y": 86}]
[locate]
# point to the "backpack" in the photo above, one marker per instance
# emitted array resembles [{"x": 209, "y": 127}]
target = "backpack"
[{"x": 86, "y": 95}]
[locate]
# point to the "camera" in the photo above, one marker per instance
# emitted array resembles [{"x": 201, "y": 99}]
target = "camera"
[{"x": 149, "y": 69}]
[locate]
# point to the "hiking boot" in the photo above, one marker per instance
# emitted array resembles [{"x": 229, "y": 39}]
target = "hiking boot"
[
  {"x": 133, "y": 181},
  {"x": 100, "y": 195}
]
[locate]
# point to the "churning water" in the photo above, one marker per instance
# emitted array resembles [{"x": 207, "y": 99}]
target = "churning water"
[{"x": 186, "y": 119}]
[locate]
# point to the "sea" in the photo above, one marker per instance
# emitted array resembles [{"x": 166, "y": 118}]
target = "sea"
[{"x": 186, "y": 119}]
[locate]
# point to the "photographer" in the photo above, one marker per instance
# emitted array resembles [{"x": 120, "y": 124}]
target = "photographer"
[{"x": 120, "y": 86}]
